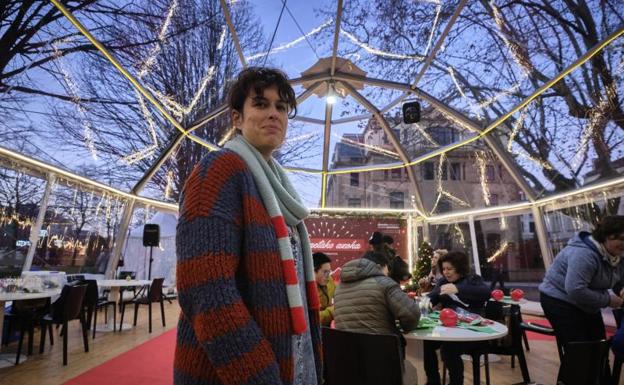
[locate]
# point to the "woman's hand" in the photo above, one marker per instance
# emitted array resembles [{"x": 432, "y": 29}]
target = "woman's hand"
[
  {"x": 615, "y": 301},
  {"x": 448, "y": 288}
]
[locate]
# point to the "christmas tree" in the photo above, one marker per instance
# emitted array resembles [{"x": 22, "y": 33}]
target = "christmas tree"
[{"x": 423, "y": 265}]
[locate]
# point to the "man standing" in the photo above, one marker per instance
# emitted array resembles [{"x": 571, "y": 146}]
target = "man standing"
[{"x": 325, "y": 287}]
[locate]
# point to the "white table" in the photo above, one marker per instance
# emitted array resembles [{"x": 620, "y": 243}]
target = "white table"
[
  {"x": 7, "y": 360},
  {"x": 113, "y": 295},
  {"x": 449, "y": 334}
]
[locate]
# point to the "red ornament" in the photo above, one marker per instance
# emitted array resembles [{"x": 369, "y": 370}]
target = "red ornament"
[
  {"x": 498, "y": 294},
  {"x": 517, "y": 294},
  {"x": 411, "y": 294},
  {"x": 448, "y": 317}
]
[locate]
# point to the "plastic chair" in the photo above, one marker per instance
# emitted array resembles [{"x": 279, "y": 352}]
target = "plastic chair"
[
  {"x": 93, "y": 303},
  {"x": 583, "y": 363},
  {"x": 361, "y": 359},
  {"x": 68, "y": 307},
  {"x": 153, "y": 295},
  {"x": 27, "y": 314}
]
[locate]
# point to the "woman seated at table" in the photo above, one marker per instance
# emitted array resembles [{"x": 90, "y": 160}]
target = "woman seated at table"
[{"x": 457, "y": 288}]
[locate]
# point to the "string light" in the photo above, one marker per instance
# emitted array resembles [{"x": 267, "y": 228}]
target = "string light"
[
  {"x": 291, "y": 44},
  {"x": 517, "y": 51},
  {"x": 481, "y": 166},
  {"x": 169, "y": 186},
  {"x": 597, "y": 118},
  {"x": 74, "y": 92},
  {"x": 498, "y": 252},
  {"x": 378, "y": 52},
  {"x": 151, "y": 57},
  {"x": 473, "y": 107}
]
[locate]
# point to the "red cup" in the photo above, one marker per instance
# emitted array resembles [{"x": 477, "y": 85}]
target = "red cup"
[
  {"x": 448, "y": 317},
  {"x": 517, "y": 294},
  {"x": 498, "y": 294}
]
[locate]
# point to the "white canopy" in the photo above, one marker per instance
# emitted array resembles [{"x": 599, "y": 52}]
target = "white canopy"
[{"x": 136, "y": 256}]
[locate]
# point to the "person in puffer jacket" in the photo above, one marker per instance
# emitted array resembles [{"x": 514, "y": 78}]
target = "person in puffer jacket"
[{"x": 368, "y": 301}]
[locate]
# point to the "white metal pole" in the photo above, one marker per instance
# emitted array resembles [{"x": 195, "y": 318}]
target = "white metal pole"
[
  {"x": 475, "y": 249},
  {"x": 36, "y": 228}
]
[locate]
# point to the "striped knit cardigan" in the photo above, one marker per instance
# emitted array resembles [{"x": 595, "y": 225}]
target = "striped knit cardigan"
[{"x": 235, "y": 325}]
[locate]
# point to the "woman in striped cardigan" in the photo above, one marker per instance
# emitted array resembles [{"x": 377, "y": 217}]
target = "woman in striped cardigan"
[{"x": 250, "y": 310}]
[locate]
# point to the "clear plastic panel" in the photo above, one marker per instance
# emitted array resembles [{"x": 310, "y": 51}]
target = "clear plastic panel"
[
  {"x": 79, "y": 233},
  {"x": 20, "y": 200}
]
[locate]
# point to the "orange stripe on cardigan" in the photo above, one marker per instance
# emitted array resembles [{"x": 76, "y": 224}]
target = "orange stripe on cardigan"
[
  {"x": 225, "y": 319},
  {"x": 201, "y": 193},
  {"x": 250, "y": 363},
  {"x": 196, "y": 271}
]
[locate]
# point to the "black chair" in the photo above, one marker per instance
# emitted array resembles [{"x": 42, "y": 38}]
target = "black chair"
[
  {"x": 583, "y": 363},
  {"x": 154, "y": 294},
  {"x": 26, "y": 314},
  {"x": 618, "y": 358},
  {"x": 542, "y": 329},
  {"x": 361, "y": 359},
  {"x": 93, "y": 303},
  {"x": 68, "y": 307}
]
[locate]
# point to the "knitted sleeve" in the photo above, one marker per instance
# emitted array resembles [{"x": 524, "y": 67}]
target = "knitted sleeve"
[{"x": 209, "y": 248}]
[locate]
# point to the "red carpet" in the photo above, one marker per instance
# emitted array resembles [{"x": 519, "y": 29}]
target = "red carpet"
[
  {"x": 148, "y": 364},
  {"x": 543, "y": 321}
]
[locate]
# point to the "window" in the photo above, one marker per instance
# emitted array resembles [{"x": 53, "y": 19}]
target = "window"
[
  {"x": 354, "y": 202},
  {"x": 395, "y": 173},
  {"x": 455, "y": 171},
  {"x": 355, "y": 179},
  {"x": 428, "y": 170},
  {"x": 489, "y": 173},
  {"x": 396, "y": 200},
  {"x": 494, "y": 200},
  {"x": 444, "y": 170},
  {"x": 443, "y": 135}
]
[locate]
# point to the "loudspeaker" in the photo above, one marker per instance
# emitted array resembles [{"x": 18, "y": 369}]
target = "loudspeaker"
[
  {"x": 151, "y": 234},
  {"x": 411, "y": 112}
]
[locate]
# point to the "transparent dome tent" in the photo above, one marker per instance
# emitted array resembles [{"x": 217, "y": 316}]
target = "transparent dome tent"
[{"x": 106, "y": 106}]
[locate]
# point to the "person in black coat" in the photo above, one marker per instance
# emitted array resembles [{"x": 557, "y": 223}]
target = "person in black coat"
[{"x": 457, "y": 288}]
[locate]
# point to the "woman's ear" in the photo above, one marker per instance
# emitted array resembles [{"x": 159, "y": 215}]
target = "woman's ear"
[{"x": 237, "y": 118}]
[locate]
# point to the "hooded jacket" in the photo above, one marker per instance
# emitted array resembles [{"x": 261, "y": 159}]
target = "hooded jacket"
[
  {"x": 366, "y": 301},
  {"x": 580, "y": 276}
]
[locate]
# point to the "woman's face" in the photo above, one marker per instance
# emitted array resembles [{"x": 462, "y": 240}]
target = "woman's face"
[
  {"x": 615, "y": 244},
  {"x": 449, "y": 272},
  {"x": 263, "y": 121}
]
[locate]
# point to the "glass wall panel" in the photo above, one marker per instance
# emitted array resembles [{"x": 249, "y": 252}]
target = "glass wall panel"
[
  {"x": 79, "y": 230},
  {"x": 454, "y": 236},
  {"x": 509, "y": 249},
  {"x": 20, "y": 199}
]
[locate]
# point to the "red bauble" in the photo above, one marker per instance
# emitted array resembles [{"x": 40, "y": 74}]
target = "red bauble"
[
  {"x": 517, "y": 294},
  {"x": 448, "y": 317},
  {"x": 498, "y": 294}
]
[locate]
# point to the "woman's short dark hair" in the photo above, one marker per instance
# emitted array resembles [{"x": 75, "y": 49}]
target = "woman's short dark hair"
[
  {"x": 258, "y": 79},
  {"x": 609, "y": 225},
  {"x": 458, "y": 259},
  {"x": 378, "y": 258}
]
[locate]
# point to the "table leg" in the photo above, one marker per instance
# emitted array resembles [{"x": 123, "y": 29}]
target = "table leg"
[{"x": 114, "y": 296}]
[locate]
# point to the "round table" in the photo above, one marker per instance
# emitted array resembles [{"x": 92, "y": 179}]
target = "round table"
[
  {"x": 7, "y": 360},
  {"x": 113, "y": 295},
  {"x": 450, "y": 334}
]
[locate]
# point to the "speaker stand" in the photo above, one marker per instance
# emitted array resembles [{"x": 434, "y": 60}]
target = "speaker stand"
[{"x": 149, "y": 271}]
